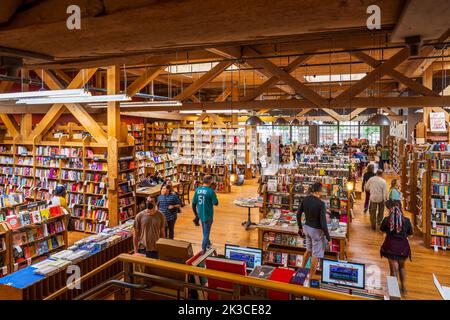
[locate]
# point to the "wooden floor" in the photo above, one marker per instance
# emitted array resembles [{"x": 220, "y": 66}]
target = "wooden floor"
[{"x": 363, "y": 247}]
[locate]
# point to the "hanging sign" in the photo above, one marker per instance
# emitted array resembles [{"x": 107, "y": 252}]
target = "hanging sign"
[{"x": 437, "y": 122}]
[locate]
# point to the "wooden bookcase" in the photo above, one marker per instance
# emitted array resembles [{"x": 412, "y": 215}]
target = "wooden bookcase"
[
  {"x": 285, "y": 240},
  {"x": 5, "y": 249},
  {"x": 87, "y": 169},
  {"x": 196, "y": 172}
]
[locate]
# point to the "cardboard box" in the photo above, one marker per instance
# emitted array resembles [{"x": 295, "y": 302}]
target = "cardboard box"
[{"x": 174, "y": 250}]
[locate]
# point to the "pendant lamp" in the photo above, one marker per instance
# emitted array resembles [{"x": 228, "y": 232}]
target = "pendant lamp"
[
  {"x": 295, "y": 122},
  {"x": 254, "y": 121},
  {"x": 280, "y": 122},
  {"x": 379, "y": 119}
]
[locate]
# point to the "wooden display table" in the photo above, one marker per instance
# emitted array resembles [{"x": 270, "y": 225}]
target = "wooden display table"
[
  {"x": 25, "y": 285},
  {"x": 153, "y": 191},
  {"x": 293, "y": 230}
]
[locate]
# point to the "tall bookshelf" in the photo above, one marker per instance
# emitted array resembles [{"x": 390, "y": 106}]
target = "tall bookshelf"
[
  {"x": 81, "y": 165},
  {"x": 158, "y": 136},
  {"x": 196, "y": 172},
  {"x": 396, "y": 149},
  {"x": 137, "y": 131},
  {"x": 5, "y": 249},
  {"x": 437, "y": 199}
]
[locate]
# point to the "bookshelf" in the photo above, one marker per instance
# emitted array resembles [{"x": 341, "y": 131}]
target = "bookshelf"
[
  {"x": 436, "y": 199},
  {"x": 159, "y": 137},
  {"x": 396, "y": 149},
  {"x": 161, "y": 164},
  {"x": 37, "y": 230},
  {"x": 5, "y": 249},
  {"x": 419, "y": 188},
  {"x": 407, "y": 177},
  {"x": 137, "y": 131},
  {"x": 282, "y": 194},
  {"x": 79, "y": 164},
  {"x": 196, "y": 172}
]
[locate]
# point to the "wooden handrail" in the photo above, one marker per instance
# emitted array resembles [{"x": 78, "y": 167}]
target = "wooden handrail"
[
  {"x": 293, "y": 289},
  {"x": 238, "y": 279},
  {"x": 87, "y": 275}
]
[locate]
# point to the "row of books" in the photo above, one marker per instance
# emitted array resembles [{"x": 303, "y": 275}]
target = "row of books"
[
  {"x": 44, "y": 230},
  {"x": 439, "y": 203},
  {"x": 26, "y": 217},
  {"x": 440, "y": 230},
  {"x": 40, "y": 248}
]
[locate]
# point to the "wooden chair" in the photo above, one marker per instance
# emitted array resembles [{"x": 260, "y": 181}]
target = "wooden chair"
[{"x": 185, "y": 188}]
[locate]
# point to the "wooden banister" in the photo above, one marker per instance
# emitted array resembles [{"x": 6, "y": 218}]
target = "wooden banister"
[{"x": 236, "y": 279}]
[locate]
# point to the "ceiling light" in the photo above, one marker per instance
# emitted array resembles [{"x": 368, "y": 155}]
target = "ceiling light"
[
  {"x": 379, "y": 120},
  {"x": 74, "y": 99},
  {"x": 44, "y": 93},
  {"x": 295, "y": 122},
  {"x": 280, "y": 122},
  {"x": 335, "y": 77},
  {"x": 140, "y": 104},
  {"x": 254, "y": 121},
  {"x": 214, "y": 111}
]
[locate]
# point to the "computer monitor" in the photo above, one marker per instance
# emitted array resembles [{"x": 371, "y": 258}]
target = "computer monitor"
[
  {"x": 252, "y": 256},
  {"x": 343, "y": 273}
]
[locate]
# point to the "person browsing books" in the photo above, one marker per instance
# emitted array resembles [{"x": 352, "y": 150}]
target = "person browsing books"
[
  {"x": 149, "y": 226},
  {"x": 59, "y": 197},
  {"x": 370, "y": 172},
  {"x": 395, "y": 194},
  {"x": 203, "y": 204},
  {"x": 377, "y": 188},
  {"x": 315, "y": 229},
  {"x": 169, "y": 203}
]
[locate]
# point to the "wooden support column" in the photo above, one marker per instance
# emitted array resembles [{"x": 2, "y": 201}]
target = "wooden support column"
[
  {"x": 26, "y": 125},
  {"x": 114, "y": 134},
  {"x": 10, "y": 124}
]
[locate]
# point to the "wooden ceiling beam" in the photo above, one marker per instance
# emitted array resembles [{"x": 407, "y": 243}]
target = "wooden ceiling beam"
[
  {"x": 144, "y": 80},
  {"x": 199, "y": 83},
  {"x": 416, "y": 67},
  {"x": 273, "y": 80},
  {"x": 357, "y": 102},
  {"x": 284, "y": 76},
  {"x": 10, "y": 124},
  {"x": 56, "y": 110},
  {"x": 414, "y": 85},
  {"x": 224, "y": 95},
  {"x": 346, "y": 97}
]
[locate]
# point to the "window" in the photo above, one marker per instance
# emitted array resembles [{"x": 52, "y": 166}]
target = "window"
[
  {"x": 346, "y": 132},
  {"x": 371, "y": 133},
  {"x": 284, "y": 132},
  {"x": 328, "y": 134},
  {"x": 300, "y": 134}
]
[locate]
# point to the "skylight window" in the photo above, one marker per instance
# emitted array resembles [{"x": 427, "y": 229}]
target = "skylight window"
[
  {"x": 186, "y": 69},
  {"x": 335, "y": 77}
]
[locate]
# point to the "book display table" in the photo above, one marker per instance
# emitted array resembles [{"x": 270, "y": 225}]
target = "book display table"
[{"x": 25, "y": 284}]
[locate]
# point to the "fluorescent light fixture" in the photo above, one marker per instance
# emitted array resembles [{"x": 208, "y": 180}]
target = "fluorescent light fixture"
[
  {"x": 213, "y": 111},
  {"x": 140, "y": 104},
  {"x": 335, "y": 77},
  {"x": 74, "y": 99},
  {"x": 44, "y": 93}
]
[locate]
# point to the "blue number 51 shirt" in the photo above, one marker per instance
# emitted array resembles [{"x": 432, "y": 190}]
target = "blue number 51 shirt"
[{"x": 204, "y": 199}]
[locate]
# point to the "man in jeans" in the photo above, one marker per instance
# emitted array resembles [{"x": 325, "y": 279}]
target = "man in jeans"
[
  {"x": 202, "y": 203},
  {"x": 377, "y": 188},
  {"x": 315, "y": 230},
  {"x": 149, "y": 226},
  {"x": 168, "y": 204}
]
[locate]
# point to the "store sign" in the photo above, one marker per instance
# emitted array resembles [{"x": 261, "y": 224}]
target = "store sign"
[{"x": 437, "y": 122}]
